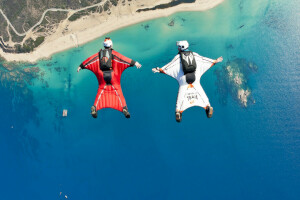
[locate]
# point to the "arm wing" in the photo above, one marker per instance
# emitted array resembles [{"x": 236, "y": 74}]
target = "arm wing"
[
  {"x": 172, "y": 68},
  {"x": 122, "y": 61},
  {"x": 203, "y": 63},
  {"x": 91, "y": 63}
]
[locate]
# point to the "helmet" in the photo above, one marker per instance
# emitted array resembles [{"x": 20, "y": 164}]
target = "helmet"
[
  {"x": 107, "y": 42},
  {"x": 182, "y": 45}
]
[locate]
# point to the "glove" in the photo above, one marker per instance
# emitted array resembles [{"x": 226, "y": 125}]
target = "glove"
[
  {"x": 220, "y": 59},
  {"x": 155, "y": 70},
  {"x": 138, "y": 65}
]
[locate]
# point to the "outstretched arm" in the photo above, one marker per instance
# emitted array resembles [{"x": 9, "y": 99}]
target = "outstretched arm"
[
  {"x": 204, "y": 63},
  {"x": 220, "y": 59},
  {"x": 124, "y": 62},
  {"x": 172, "y": 68},
  {"x": 91, "y": 63}
]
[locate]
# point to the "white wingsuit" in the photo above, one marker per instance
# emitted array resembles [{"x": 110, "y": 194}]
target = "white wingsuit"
[{"x": 189, "y": 94}]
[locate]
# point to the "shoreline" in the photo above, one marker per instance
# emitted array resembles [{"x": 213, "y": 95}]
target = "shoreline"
[{"x": 91, "y": 27}]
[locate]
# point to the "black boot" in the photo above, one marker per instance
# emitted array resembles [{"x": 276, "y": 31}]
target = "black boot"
[
  {"x": 178, "y": 116},
  {"x": 94, "y": 111},
  {"x": 126, "y": 112},
  {"x": 209, "y": 111}
]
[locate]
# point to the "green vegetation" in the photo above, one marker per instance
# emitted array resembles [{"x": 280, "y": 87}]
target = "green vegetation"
[
  {"x": 29, "y": 45},
  {"x": 15, "y": 37},
  {"x": 23, "y": 14},
  {"x": 114, "y": 2},
  {"x": 106, "y": 6},
  {"x": 3, "y": 31},
  {"x": 82, "y": 13},
  {"x": 39, "y": 41},
  {"x": 26, "y": 13},
  {"x": 77, "y": 15}
]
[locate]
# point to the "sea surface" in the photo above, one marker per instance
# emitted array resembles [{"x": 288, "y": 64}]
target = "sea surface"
[{"x": 250, "y": 152}]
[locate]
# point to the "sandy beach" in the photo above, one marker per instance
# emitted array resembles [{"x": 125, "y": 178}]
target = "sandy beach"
[{"x": 94, "y": 26}]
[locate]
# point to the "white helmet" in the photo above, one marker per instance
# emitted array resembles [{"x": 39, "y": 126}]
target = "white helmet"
[
  {"x": 182, "y": 45},
  {"x": 108, "y": 43}
]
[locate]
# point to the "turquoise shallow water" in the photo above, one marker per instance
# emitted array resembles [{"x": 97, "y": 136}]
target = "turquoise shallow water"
[{"x": 241, "y": 153}]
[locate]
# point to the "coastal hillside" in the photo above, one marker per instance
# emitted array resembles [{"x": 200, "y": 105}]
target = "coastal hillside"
[{"x": 26, "y": 24}]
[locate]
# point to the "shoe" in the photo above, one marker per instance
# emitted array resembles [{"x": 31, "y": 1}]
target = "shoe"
[
  {"x": 178, "y": 116},
  {"x": 209, "y": 111},
  {"x": 94, "y": 112},
  {"x": 125, "y": 112}
]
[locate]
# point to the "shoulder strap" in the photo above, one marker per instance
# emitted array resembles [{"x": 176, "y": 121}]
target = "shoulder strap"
[{"x": 100, "y": 54}]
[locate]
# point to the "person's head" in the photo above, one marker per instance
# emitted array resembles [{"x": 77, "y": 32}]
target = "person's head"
[
  {"x": 182, "y": 45},
  {"x": 107, "y": 43}
]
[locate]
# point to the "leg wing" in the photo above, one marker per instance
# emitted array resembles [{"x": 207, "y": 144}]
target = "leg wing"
[
  {"x": 110, "y": 97},
  {"x": 190, "y": 95}
]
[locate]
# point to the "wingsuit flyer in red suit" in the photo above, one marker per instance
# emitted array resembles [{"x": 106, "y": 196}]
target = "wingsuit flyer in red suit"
[{"x": 108, "y": 66}]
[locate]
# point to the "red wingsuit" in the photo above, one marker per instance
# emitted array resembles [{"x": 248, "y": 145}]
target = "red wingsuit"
[{"x": 109, "y": 95}]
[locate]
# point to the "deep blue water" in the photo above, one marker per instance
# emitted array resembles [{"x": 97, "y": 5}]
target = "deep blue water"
[{"x": 241, "y": 153}]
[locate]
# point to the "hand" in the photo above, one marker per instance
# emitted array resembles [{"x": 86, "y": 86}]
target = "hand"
[
  {"x": 79, "y": 68},
  {"x": 155, "y": 70},
  {"x": 220, "y": 59},
  {"x": 138, "y": 65}
]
